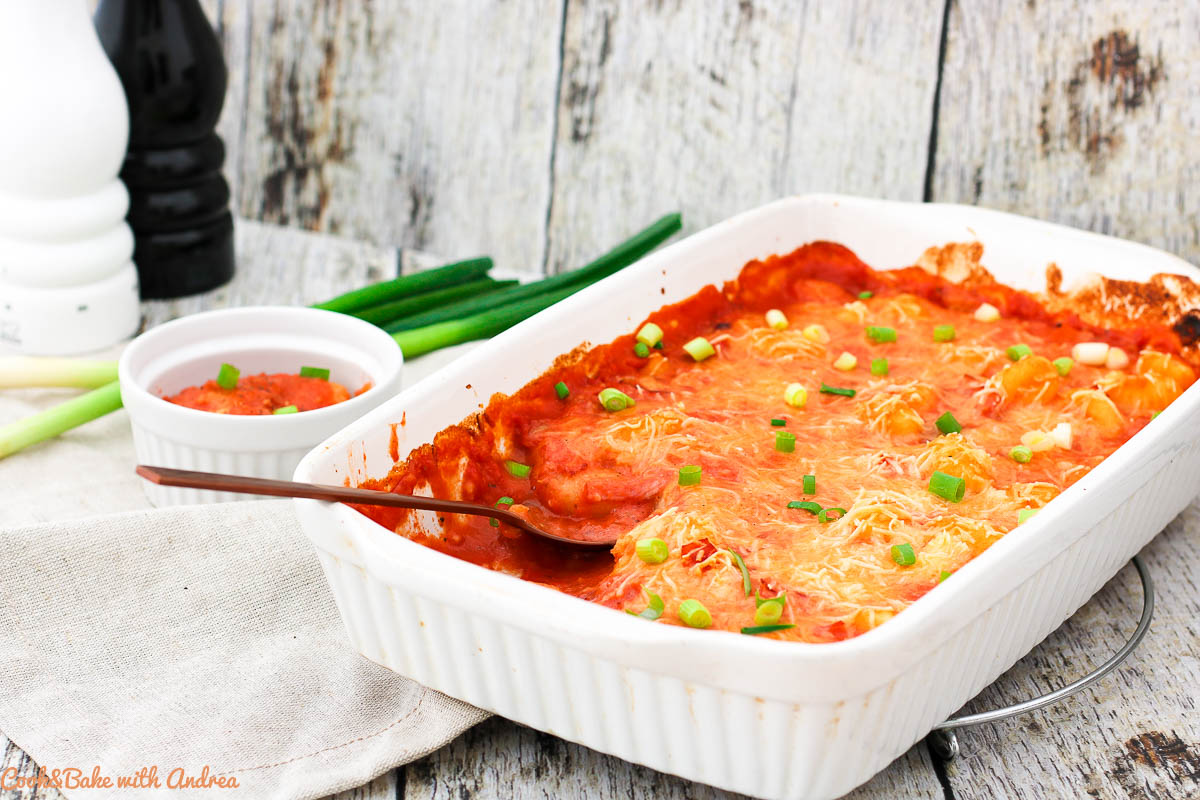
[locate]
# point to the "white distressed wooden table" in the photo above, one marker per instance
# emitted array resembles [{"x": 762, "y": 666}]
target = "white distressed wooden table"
[{"x": 1135, "y": 735}]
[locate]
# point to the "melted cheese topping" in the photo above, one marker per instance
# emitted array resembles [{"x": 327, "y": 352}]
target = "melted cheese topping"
[{"x": 597, "y": 471}]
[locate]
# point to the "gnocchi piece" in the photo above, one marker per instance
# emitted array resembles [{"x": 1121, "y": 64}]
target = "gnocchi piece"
[
  {"x": 1031, "y": 379},
  {"x": 1157, "y": 379},
  {"x": 1097, "y": 407}
]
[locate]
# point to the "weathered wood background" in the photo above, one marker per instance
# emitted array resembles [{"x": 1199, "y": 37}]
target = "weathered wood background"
[{"x": 542, "y": 131}]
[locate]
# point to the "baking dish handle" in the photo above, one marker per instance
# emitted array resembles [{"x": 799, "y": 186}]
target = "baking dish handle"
[{"x": 944, "y": 743}]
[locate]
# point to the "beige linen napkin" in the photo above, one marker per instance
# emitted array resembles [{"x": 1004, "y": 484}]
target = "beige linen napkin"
[{"x": 193, "y": 638}]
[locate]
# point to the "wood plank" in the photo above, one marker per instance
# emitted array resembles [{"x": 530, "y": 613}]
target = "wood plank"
[
  {"x": 385, "y": 787},
  {"x": 23, "y": 769},
  {"x": 284, "y": 266},
  {"x": 498, "y": 758},
  {"x": 1086, "y": 114},
  {"x": 712, "y": 111},
  {"x": 231, "y": 22},
  {"x": 1136, "y": 734},
  {"x": 398, "y": 126}
]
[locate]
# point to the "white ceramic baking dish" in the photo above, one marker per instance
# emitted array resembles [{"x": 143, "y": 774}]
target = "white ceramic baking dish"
[{"x": 770, "y": 719}]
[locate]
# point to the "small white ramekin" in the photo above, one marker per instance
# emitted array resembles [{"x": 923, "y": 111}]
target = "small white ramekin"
[{"x": 189, "y": 351}]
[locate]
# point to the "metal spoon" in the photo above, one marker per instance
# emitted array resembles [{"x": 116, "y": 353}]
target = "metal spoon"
[{"x": 165, "y": 476}]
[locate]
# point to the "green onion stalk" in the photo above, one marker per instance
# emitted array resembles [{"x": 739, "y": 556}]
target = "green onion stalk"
[
  {"x": 62, "y": 417},
  {"x": 425, "y": 311}
]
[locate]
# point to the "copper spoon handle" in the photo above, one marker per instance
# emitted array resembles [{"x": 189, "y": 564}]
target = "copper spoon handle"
[{"x": 191, "y": 479}]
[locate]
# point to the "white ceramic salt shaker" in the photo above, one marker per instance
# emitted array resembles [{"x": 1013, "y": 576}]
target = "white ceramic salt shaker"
[{"x": 67, "y": 282}]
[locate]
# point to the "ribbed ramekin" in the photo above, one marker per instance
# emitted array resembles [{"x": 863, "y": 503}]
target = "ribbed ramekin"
[
  {"x": 766, "y": 718},
  {"x": 189, "y": 351}
]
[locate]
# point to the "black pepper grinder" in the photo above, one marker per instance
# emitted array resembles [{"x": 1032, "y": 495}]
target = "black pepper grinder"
[{"x": 170, "y": 63}]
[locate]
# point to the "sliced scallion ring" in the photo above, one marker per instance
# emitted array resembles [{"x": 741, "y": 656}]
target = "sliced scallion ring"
[
  {"x": 947, "y": 487},
  {"x": 227, "y": 376},
  {"x": 768, "y": 612},
  {"x": 517, "y": 469},
  {"x": 823, "y": 514},
  {"x": 694, "y": 614},
  {"x": 946, "y": 423},
  {"x": 314, "y": 372},
  {"x": 650, "y": 335},
  {"x": 903, "y": 554},
  {"x": 700, "y": 348},
  {"x": 881, "y": 333},
  {"x": 652, "y": 550},
  {"x": 615, "y": 400}
]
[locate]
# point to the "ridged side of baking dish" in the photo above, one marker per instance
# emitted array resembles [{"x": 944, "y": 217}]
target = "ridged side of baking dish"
[
  {"x": 154, "y": 449},
  {"x": 764, "y": 718}
]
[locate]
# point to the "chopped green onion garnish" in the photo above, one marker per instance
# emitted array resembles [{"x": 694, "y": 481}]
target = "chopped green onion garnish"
[
  {"x": 227, "y": 376},
  {"x": 879, "y": 367},
  {"x": 658, "y": 346},
  {"x": 795, "y": 395},
  {"x": 777, "y": 422},
  {"x": 946, "y": 423},
  {"x": 806, "y": 505},
  {"x": 768, "y": 612},
  {"x": 943, "y": 575},
  {"x": 517, "y": 469},
  {"x": 700, "y": 348},
  {"x": 654, "y": 607},
  {"x": 285, "y": 410},
  {"x": 561, "y": 390},
  {"x": 865, "y": 295},
  {"x": 947, "y": 487},
  {"x": 823, "y": 514},
  {"x": 1025, "y": 514},
  {"x": 1021, "y": 454},
  {"x": 615, "y": 400},
  {"x": 741, "y": 565},
  {"x": 1063, "y": 365},
  {"x": 689, "y": 475},
  {"x": 809, "y": 482},
  {"x": 781, "y": 598},
  {"x": 314, "y": 372},
  {"x": 641, "y": 350},
  {"x": 776, "y": 319},
  {"x": 826, "y": 389},
  {"x": 881, "y": 334},
  {"x": 755, "y": 630},
  {"x": 785, "y": 442},
  {"x": 694, "y": 614},
  {"x": 495, "y": 523},
  {"x": 944, "y": 333},
  {"x": 903, "y": 554},
  {"x": 1019, "y": 351},
  {"x": 1154, "y": 414},
  {"x": 650, "y": 335},
  {"x": 504, "y": 501},
  {"x": 652, "y": 551}
]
